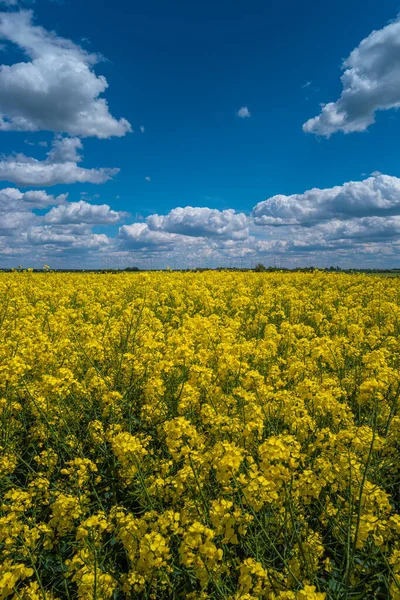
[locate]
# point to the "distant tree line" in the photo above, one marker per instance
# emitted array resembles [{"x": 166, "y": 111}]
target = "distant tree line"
[{"x": 259, "y": 268}]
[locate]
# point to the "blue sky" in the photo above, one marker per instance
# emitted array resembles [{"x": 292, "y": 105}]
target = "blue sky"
[{"x": 182, "y": 72}]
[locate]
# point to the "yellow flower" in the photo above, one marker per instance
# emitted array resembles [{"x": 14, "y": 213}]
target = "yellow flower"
[{"x": 199, "y": 434}]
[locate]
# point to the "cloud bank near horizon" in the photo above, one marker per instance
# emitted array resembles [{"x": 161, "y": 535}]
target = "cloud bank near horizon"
[{"x": 359, "y": 220}]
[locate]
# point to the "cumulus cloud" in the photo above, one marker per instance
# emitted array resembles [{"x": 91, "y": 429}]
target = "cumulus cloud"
[
  {"x": 60, "y": 166},
  {"x": 142, "y": 129},
  {"x": 56, "y": 89},
  {"x": 12, "y": 199},
  {"x": 14, "y": 221},
  {"x": 243, "y": 112},
  {"x": 46, "y": 235},
  {"x": 83, "y": 212},
  {"x": 375, "y": 196},
  {"x": 367, "y": 229},
  {"x": 139, "y": 235},
  {"x": 64, "y": 232},
  {"x": 346, "y": 239},
  {"x": 198, "y": 233},
  {"x": 148, "y": 178},
  {"x": 65, "y": 149},
  {"x": 371, "y": 82},
  {"x": 350, "y": 224},
  {"x": 16, "y": 208},
  {"x": 201, "y": 222}
]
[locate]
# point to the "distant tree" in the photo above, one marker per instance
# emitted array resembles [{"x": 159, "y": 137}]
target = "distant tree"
[
  {"x": 132, "y": 269},
  {"x": 260, "y": 268}
]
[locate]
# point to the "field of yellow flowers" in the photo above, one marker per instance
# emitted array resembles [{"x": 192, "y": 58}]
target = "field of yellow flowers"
[{"x": 199, "y": 436}]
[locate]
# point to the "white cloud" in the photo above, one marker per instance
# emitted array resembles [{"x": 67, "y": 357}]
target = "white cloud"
[
  {"x": 201, "y": 222},
  {"x": 355, "y": 224},
  {"x": 187, "y": 232},
  {"x": 139, "y": 235},
  {"x": 65, "y": 149},
  {"x": 371, "y": 229},
  {"x": 15, "y": 221},
  {"x": 11, "y": 200},
  {"x": 41, "y": 143},
  {"x": 371, "y": 82},
  {"x": 78, "y": 239},
  {"x": 142, "y": 129},
  {"x": 16, "y": 209},
  {"x": 243, "y": 112},
  {"x": 56, "y": 89},
  {"x": 60, "y": 166},
  {"x": 65, "y": 231},
  {"x": 375, "y": 196},
  {"x": 148, "y": 178},
  {"x": 83, "y": 212}
]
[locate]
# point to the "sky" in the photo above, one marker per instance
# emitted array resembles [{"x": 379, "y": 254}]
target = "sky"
[{"x": 214, "y": 134}]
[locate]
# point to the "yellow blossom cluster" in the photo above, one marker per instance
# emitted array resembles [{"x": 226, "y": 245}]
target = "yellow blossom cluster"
[{"x": 210, "y": 435}]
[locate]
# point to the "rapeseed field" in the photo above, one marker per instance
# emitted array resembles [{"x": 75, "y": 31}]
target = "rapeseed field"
[{"x": 199, "y": 436}]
